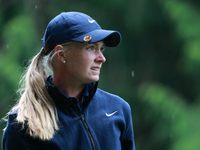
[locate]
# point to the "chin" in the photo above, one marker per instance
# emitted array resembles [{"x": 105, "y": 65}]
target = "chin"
[{"x": 93, "y": 80}]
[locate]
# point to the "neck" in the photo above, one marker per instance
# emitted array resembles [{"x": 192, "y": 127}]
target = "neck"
[{"x": 70, "y": 89}]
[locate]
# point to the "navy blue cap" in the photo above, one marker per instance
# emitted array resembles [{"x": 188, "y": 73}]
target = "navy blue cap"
[{"x": 79, "y": 27}]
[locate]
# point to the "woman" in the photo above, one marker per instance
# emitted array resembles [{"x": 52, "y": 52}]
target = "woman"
[{"x": 66, "y": 111}]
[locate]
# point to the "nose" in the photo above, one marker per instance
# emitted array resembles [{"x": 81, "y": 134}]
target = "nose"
[{"x": 100, "y": 57}]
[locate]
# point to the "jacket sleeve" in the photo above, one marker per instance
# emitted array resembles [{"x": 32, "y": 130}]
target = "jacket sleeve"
[
  {"x": 127, "y": 141},
  {"x": 14, "y": 137}
]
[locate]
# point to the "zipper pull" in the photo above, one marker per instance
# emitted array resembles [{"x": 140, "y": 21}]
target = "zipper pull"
[{"x": 80, "y": 117}]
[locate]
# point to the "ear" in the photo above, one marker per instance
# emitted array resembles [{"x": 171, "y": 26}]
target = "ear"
[{"x": 60, "y": 55}]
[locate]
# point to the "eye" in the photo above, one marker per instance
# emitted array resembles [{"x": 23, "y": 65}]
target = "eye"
[
  {"x": 90, "y": 48},
  {"x": 102, "y": 49}
]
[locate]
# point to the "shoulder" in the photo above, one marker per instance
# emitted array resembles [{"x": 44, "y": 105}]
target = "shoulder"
[
  {"x": 106, "y": 97},
  {"x": 13, "y": 127},
  {"x": 15, "y": 135},
  {"x": 109, "y": 96}
]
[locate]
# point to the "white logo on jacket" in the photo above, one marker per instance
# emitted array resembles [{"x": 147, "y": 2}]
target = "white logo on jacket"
[{"x": 111, "y": 113}]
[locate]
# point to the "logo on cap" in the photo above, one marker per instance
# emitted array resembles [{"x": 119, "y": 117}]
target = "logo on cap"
[
  {"x": 91, "y": 21},
  {"x": 87, "y": 38}
]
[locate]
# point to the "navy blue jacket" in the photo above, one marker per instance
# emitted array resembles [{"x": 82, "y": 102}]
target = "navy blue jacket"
[{"x": 104, "y": 123}]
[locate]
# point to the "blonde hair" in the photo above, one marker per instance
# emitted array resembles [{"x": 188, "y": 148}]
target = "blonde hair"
[{"x": 36, "y": 108}]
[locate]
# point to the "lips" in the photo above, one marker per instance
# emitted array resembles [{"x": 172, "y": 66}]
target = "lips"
[{"x": 95, "y": 68}]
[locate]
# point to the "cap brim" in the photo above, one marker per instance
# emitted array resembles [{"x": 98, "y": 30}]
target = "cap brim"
[{"x": 110, "y": 38}]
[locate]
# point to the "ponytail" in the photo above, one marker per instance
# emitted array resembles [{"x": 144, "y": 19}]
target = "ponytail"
[{"x": 36, "y": 107}]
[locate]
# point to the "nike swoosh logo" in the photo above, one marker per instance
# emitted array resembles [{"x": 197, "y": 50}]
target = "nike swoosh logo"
[
  {"x": 91, "y": 21},
  {"x": 111, "y": 113}
]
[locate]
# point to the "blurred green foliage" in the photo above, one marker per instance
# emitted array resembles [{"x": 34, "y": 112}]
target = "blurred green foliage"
[
  {"x": 155, "y": 69},
  {"x": 175, "y": 121}
]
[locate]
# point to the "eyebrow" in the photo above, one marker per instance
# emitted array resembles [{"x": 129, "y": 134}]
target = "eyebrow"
[{"x": 96, "y": 44}]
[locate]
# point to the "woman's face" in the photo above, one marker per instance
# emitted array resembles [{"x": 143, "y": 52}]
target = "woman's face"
[{"x": 83, "y": 62}]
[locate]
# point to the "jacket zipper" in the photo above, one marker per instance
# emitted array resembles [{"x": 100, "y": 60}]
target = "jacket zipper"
[
  {"x": 81, "y": 116},
  {"x": 88, "y": 131}
]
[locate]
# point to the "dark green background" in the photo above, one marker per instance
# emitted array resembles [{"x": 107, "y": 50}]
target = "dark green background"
[{"x": 156, "y": 68}]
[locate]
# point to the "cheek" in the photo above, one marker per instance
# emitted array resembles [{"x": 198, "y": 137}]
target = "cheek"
[
  {"x": 80, "y": 61},
  {"x": 83, "y": 60},
  {"x": 79, "y": 64}
]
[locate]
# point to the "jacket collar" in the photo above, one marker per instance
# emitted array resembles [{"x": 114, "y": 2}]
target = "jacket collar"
[{"x": 62, "y": 101}]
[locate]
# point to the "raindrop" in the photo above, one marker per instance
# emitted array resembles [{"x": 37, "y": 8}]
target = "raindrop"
[
  {"x": 132, "y": 74},
  {"x": 36, "y": 6},
  {"x": 7, "y": 46}
]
